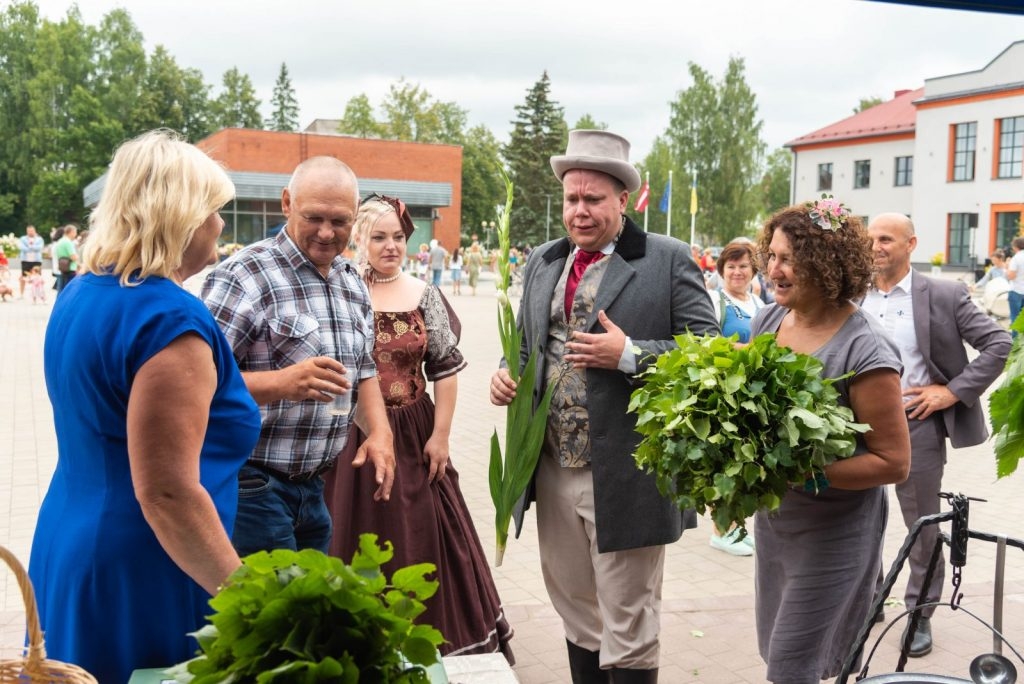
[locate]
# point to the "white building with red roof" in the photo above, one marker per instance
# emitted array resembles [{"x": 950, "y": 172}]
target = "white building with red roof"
[{"x": 949, "y": 155}]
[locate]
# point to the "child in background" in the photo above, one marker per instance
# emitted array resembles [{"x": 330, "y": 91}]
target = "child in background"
[
  {"x": 37, "y": 286},
  {"x": 5, "y": 284}
]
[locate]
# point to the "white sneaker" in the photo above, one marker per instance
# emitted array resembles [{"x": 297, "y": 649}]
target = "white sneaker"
[{"x": 731, "y": 544}]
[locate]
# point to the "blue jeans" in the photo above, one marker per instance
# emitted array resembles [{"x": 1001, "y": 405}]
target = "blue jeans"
[
  {"x": 437, "y": 276},
  {"x": 276, "y": 513},
  {"x": 1016, "y": 301}
]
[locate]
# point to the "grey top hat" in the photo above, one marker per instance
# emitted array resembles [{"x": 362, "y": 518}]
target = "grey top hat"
[{"x": 598, "y": 151}]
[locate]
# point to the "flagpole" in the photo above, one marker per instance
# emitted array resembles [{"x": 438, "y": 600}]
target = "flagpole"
[
  {"x": 647, "y": 185},
  {"x": 668, "y": 216},
  {"x": 693, "y": 209}
]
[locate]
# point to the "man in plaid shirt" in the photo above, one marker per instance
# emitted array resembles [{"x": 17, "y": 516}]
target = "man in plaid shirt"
[{"x": 299, "y": 320}]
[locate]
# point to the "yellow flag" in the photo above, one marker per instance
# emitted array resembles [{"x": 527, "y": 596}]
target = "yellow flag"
[{"x": 693, "y": 197}]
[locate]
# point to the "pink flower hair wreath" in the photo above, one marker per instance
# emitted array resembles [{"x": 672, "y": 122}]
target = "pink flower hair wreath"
[{"x": 828, "y": 213}]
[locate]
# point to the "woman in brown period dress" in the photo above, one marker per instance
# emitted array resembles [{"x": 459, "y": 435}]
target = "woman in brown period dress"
[{"x": 426, "y": 519}]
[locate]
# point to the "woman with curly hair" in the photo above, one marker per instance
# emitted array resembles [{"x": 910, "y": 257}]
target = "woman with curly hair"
[{"x": 818, "y": 555}]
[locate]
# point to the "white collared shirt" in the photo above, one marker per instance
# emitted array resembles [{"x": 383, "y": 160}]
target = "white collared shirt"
[{"x": 895, "y": 311}]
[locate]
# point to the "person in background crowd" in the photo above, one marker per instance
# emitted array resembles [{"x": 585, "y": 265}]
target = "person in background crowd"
[
  {"x": 436, "y": 257},
  {"x": 996, "y": 270},
  {"x": 65, "y": 256},
  {"x": 598, "y": 306},
  {"x": 132, "y": 536},
  {"x": 1015, "y": 275},
  {"x": 30, "y": 247},
  {"x": 475, "y": 262},
  {"x": 817, "y": 555},
  {"x": 427, "y": 519},
  {"x": 298, "y": 318},
  {"x": 36, "y": 285},
  {"x": 931, "y": 319},
  {"x": 735, "y": 307},
  {"x": 456, "y": 266}
]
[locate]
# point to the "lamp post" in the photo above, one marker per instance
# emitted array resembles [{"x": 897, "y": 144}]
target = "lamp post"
[{"x": 488, "y": 228}]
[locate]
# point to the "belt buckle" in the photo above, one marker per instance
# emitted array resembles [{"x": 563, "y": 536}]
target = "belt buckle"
[{"x": 319, "y": 470}]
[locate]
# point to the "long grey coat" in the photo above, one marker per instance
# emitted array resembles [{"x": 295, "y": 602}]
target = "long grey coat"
[{"x": 653, "y": 290}]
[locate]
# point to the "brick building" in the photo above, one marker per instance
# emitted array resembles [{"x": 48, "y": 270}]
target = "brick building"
[{"x": 427, "y": 177}]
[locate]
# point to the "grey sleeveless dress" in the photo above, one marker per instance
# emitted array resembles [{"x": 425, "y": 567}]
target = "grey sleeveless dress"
[{"x": 817, "y": 556}]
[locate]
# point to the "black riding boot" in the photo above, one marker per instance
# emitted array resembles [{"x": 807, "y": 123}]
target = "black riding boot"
[
  {"x": 622, "y": 676},
  {"x": 585, "y": 666}
]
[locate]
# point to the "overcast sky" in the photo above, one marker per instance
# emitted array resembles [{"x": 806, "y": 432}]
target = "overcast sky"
[{"x": 808, "y": 61}]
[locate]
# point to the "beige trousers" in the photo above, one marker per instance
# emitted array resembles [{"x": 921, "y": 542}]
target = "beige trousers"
[{"x": 608, "y": 602}]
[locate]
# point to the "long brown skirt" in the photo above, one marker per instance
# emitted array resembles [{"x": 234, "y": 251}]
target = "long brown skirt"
[{"x": 427, "y": 523}]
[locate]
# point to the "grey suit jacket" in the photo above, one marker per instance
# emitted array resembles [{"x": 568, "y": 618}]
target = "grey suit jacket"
[
  {"x": 653, "y": 290},
  {"x": 945, "y": 318}
]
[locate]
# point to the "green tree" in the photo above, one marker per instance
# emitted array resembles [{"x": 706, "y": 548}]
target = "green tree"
[
  {"x": 174, "y": 98},
  {"x": 538, "y": 132},
  {"x": 358, "y": 119},
  {"x": 776, "y": 181},
  {"x": 481, "y": 183},
  {"x": 866, "y": 103},
  {"x": 655, "y": 167},
  {"x": 410, "y": 113},
  {"x": 715, "y": 132},
  {"x": 285, "y": 116},
  {"x": 20, "y": 147},
  {"x": 62, "y": 60},
  {"x": 237, "y": 105},
  {"x": 587, "y": 122}
]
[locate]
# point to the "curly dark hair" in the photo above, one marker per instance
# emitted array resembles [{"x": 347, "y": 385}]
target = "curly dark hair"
[{"x": 836, "y": 263}]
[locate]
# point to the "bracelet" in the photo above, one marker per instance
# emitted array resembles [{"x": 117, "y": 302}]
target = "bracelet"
[{"x": 816, "y": 484}]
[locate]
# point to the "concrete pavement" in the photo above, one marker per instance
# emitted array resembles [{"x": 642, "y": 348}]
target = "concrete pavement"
[{"x": 708, "y": 626}]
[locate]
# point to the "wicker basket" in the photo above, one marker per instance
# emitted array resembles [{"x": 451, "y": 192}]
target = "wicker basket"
[{"x": 32, "y": 667}]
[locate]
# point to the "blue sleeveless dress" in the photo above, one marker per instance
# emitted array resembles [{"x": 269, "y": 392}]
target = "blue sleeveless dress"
[{"x": 110, "y": 598}]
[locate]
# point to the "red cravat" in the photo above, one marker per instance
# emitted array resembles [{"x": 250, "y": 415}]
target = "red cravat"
[{"x": 583, "y": 259}]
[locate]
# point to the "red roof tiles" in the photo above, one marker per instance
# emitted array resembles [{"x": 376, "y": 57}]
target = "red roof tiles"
[{"x": 897, "y": 115}]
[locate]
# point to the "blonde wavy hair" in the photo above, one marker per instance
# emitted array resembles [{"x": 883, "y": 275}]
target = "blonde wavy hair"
[
  {"x": 370, "y": 211},
  {"x": 159, "y": 191}
]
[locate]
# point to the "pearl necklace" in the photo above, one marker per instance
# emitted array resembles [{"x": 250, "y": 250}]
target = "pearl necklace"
[{"x": 390, "y": 279}]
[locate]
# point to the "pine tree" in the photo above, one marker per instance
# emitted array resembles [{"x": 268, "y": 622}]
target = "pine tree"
[
  {"x": 285, "y": 116},
  {"x": 539, "y": 131}
]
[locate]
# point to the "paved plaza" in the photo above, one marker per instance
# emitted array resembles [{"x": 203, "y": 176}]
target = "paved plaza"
[{"x": 708, "y": 621}]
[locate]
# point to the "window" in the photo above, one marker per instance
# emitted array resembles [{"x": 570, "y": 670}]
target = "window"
[
  {"x": 904, "y": 171},
  {"x": 959, "y": 239},
  {"x": 825, "y": 176},
  {"x": 965, "y": 137},
  {"x": 1007, "y": 228},
  {"x": 1011, "y": 147},
  {"x": 862, "y": 173}
]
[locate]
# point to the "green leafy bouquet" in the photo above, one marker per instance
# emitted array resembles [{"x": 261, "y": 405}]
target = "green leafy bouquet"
[
  {"x": 731, "y": 429},
  {"x": 1006, "y": 408},
  {"x": 290, "y": 617}
]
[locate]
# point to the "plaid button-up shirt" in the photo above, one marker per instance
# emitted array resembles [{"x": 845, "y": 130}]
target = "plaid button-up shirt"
[{"x": 277, "y": 309}]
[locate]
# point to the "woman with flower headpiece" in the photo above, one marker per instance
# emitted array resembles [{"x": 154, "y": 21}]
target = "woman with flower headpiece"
[
  {"x": 427, "y": 520},
  {"x": 818, "y": 555}
]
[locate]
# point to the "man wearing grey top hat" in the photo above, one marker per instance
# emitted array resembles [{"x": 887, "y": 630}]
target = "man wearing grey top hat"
[{"x": 598, "y": 306}]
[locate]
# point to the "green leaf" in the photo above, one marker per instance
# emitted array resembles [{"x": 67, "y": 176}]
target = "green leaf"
[
  {"x": 728, "y": 429},
  {"x": 302, "y": 616}
]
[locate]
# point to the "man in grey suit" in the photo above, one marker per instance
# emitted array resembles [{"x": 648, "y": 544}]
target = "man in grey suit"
[
  {"x": 930, "y": 319},
  {"x": 598, "y": 306}
]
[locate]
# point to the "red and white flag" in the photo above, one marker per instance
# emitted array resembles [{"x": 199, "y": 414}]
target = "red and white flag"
[{"x": 641, "y": 199}]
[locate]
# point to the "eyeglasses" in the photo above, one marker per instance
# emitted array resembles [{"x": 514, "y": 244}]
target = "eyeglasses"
[{"x": 400, "y": 209}]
